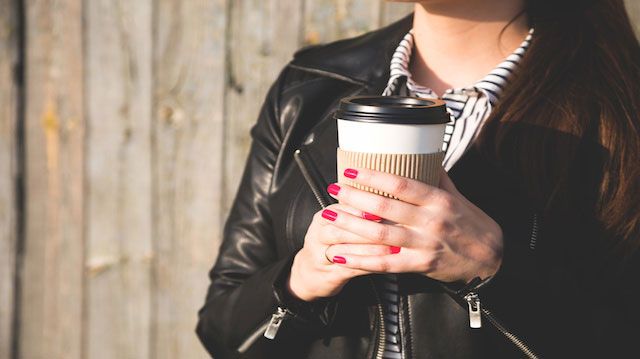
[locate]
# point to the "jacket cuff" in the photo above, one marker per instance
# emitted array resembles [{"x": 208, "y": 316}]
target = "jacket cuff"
[{"x": 318, "y": 313}]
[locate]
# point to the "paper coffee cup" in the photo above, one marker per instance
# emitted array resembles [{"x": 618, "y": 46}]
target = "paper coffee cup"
[{"x": 394, "y": 134}]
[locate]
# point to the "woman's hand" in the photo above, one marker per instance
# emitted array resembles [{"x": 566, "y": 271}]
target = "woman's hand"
[
  {"x": 441, "y": 234},
  {"x": 313, "y": 275}
]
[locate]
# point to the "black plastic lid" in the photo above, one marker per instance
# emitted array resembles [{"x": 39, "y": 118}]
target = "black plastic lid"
[{"x": 392, "y": 109}]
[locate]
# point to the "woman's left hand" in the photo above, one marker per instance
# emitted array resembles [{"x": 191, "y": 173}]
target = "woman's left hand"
[{"x": 441, "y": 234}]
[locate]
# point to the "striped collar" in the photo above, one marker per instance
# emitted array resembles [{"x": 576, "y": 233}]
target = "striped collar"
[{"x": 491, "y": 85}]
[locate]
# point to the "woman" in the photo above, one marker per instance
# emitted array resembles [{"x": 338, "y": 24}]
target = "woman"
[{"x": 528, "y": 246}]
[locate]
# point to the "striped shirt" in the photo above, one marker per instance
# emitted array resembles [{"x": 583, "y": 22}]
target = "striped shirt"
[{"x": 468, "y": 107}]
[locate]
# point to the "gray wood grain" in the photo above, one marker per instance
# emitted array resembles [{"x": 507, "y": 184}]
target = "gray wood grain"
[
  {"x": 119, "y": 203},
  {"x": 189, "y": 57},
  {"x": 392, "y": 11},
  {"x": 9, "y": 93},
  {"x": 329, "y": 20},
  {"x": 263, "y": 35},
  {"x": 51, "y": 319}
]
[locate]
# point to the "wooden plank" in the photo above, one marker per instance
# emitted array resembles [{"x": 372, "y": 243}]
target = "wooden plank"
[
  {"x": 52, "y": 272},
  {"x": 9, "y": 92},
  {"x": 263, "y": 34},
  {"x": 329, "y": 20},
  {"x": 633, "y": 7},
  {"x": 188, "y": 55},
  {"x": 392, "y": 11},
  {"x": 118, "y": 222}
]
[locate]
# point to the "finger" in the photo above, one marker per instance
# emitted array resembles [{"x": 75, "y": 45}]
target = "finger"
[
  {"x": 403, "y": 188},
  {"x": 367, "y": 232},
  {"x": 388, "y": 208},
  {"x": 397, "y": 263},
  {"x": 356, "y": 212},
  {"x": 343, "y": 272},
  {"x": 361, "y": 249},
  {"x": 331, "y": 235}
]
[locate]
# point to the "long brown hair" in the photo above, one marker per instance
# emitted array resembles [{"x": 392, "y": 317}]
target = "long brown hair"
[{"x": 568, "y": 124}]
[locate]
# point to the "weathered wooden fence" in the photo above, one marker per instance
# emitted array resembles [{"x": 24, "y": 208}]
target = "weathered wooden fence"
[{"x": 123, "y": 133}]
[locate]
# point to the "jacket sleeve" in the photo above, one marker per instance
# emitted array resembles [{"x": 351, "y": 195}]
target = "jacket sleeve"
[
  {"x": 559, "y": 292},
  {"x": 248, "y": 278}
]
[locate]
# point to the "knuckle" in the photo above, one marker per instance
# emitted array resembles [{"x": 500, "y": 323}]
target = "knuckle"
[
  {"x": 400, "y": 185},
  {"x": 381, "y": 206},
  {"x": 427, "y": 263},
  {"x": 381, "y": 233},
  {"x": 382, "y": 265},
  {"x": 439, "y": 226},
  {"x": 434, "y": 245},
  {"x": 446, "y": 202}
]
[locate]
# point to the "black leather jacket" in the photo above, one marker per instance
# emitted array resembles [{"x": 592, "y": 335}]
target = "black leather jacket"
[{"x": 545, "y": 300}]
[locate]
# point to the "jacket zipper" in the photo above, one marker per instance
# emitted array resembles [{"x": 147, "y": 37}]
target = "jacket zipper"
[
  {"x": 534, "y": 232},
  {"x": 309, "y": 177},
  {"x": 404, "y": 336},
  {"x": 477, "y": 312},
  {"x": 269, "y": 328},
  {"x": 382, "y": 331},
  {"x": 512, "y": 337}
]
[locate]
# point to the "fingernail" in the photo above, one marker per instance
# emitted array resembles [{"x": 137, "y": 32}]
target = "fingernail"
[
  {"x": 339, "y": 259},
  {"x": 394, "y": 249},
  {"x": 350, "y": 173},
  {"x": 371, "y": 217},
  {"x": 333, "y": 189},
  {"x": 329, "y": 214}
]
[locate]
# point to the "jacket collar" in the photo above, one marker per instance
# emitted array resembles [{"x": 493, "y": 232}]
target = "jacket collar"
[{"x": 364, "y": 59}]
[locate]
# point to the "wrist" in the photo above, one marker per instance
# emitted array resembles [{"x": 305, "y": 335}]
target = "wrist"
[{"x": 294, "y": 286}]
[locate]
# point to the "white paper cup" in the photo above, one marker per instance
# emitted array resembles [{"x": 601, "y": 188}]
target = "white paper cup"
[{"x": 395, "y": 134}]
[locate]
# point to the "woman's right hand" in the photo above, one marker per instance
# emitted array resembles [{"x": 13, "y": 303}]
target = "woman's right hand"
[{"x": 312, "y": 275}]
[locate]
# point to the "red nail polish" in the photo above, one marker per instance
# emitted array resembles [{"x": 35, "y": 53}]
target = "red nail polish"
[
  {"x": 333, "y": 189},
  {"x": 371, "y": 217},
  {"x": 394, "y": 249},
  {"x": 329, "y": 214},
  {"x": 339, "y": 259},
  {"x": 350, "y": 173}
]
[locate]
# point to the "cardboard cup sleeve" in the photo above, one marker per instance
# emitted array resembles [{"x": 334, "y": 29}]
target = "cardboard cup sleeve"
[{"x": 421, "y": 167}]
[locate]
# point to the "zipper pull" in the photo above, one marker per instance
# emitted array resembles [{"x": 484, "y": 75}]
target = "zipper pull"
[
  {"x": 475, "y": 312},
  {"x": 274, "y": 324}
]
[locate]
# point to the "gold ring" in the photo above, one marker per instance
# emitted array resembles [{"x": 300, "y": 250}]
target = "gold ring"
[{"x": 325, "y": 254}]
